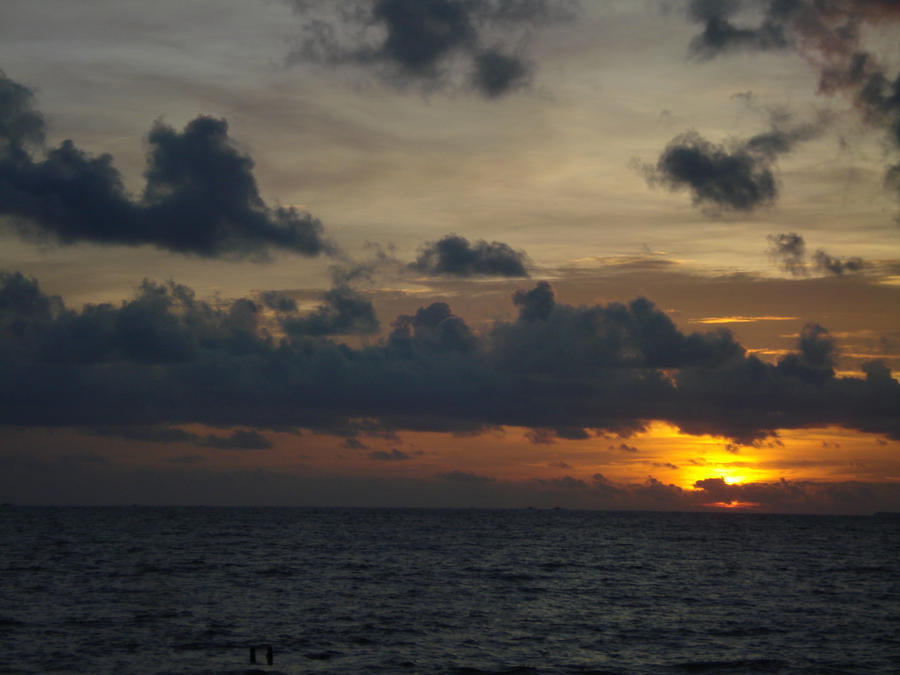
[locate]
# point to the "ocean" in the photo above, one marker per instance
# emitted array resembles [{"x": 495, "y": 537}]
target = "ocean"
[{"x": 189, "y": 590}]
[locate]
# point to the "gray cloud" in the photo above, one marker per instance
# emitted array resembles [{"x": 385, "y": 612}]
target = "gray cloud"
[
  {"x": 736, "y": 177},
  {"x": 455, "y": 256},
  {"x": 345, "y": 311},
  {"x": 836, "y": 266},
  {"x": 828, "y": 34},
  {"x": 419, "y": 41},
  {"x": 166, "y": 358},
  {"x": 200, "y": 197},
  {"x": 789, "y": 251}
]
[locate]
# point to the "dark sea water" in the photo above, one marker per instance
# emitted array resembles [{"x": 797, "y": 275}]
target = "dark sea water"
[{"x": 187, "y": 590}]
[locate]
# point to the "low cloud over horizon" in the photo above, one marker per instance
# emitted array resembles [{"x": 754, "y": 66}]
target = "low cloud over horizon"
[{"x": 166, "y": 357}]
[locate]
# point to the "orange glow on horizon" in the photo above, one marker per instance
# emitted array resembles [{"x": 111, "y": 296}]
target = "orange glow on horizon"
[{"x": 733, "y": 504}]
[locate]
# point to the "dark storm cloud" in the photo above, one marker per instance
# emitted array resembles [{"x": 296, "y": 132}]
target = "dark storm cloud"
[
  {"x": 165, "y": 358},
  {"x": 828, "y": 34},
  {"x": 419, "y": 41},
  {"x": 200, "y": 197},
  {"x": 789, "y": 251},
  {"x": 455, "y": 256},
  {"x": 738, "y": 176}
]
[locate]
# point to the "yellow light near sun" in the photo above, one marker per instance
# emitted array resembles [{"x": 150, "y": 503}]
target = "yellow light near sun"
[{"x": 682, "y": 459}]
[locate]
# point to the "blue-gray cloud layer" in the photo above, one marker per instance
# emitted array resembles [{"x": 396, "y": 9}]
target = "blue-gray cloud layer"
[{"x": 166, "y": 358}]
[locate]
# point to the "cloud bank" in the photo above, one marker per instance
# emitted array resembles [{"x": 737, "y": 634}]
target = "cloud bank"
[{"x": 166, "y": 358}]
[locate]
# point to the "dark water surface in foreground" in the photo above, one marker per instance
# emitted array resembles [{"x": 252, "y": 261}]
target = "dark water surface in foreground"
[{"x": 186, "y": 590}]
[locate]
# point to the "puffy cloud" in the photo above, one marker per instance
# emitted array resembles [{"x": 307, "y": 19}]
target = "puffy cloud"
[
  {"x": 345, "y": 311},
  {"x": 736, "y": 177},
  {"x": 455, "y": 256},
  {"x": 536, "y": 304},
  {"x": 836, "y": 266},
  {"x": 828, "y": 34},
  {"x": 421, "y": 41},
  {"x": 789, "y": 251},
  {"x": 166, "y": 358},
  {"x": 200, "y": 197},
  {"x": 434, "y": 329}
]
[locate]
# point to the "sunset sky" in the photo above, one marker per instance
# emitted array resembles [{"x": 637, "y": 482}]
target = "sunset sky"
[{"x": 618, "y": 254}]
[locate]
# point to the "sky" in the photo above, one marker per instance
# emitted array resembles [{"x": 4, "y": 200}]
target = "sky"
[{"x": 637, "y": 254}]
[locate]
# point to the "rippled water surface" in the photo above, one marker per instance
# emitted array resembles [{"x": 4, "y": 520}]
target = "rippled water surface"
[{"x": 142, "y": 590}]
